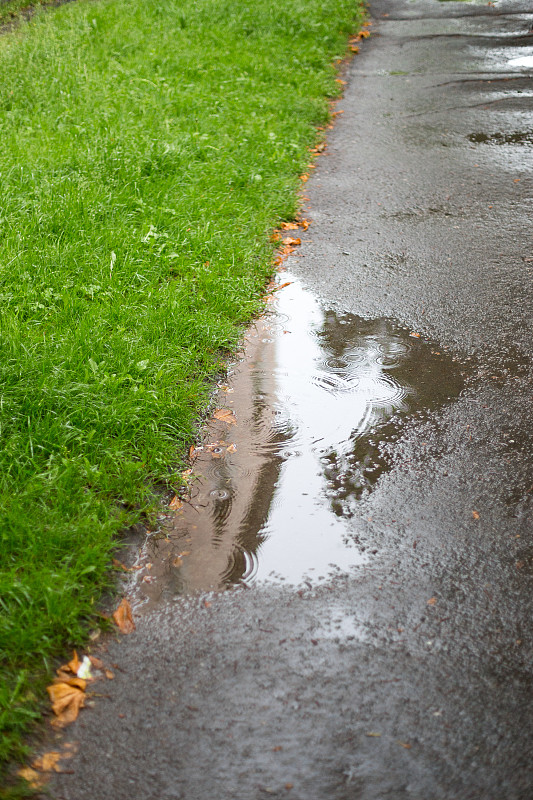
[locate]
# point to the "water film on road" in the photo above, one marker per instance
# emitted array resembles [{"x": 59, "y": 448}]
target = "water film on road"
[{"x": 312, "y": 404}]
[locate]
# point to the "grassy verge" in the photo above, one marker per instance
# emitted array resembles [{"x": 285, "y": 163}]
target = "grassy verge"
[{"x": 147, "y": 150}]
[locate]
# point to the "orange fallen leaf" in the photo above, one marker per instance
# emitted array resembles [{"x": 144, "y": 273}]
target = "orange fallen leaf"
[
  {"x": 232, "y": 448},
  {"x": 79, "y": 683},
  {"x": 34, "y": 778},
  {"x": 276, "y": 237},
  {"x": 339, "y": 80},
  {"x": 119, "y": 565},
  {"x": 66, "y": 702},
  {"x": 225, "y": 415},
  {"x": 304, "y": 178},
  {"x": 354, "y": 48},
  {"x": 48, "y": 762},
  {"x": 123, "y": 617},
  {"x": 289, "y": 226},
  {"x": 406, "y": 745},
  {"x": 290, "y": 241},
  {"x": 74, "y": 664},
  {"x": 109, "y": 675},
  {"x": 305, "y": 224},
  {"x": 432, "y": 601},
  {"x": 96, "y": 662},
  {"x": 415, "y": 335},
  {"x": 475, "y": 514},
  {"x": 175, "y": 504},
  {"x": 365, "y": 34}
]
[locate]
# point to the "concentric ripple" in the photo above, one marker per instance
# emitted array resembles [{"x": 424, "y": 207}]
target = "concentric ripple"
[{"x": 316, "y": 398}]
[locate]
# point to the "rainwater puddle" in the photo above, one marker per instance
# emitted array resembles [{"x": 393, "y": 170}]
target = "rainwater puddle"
[{"x": 316, "y": 396}]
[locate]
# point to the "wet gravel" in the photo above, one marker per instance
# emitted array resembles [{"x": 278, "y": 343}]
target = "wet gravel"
[{"x": 410, "y": 675}]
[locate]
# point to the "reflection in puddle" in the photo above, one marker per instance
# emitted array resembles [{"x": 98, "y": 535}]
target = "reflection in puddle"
[{"x": 315, "y": 398}]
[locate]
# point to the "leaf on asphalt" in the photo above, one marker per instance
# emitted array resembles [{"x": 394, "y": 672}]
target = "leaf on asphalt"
[
  {"x": 475, "y": 514},
  {"x": 354, "y": 48},
  {"x": 97, "y": 662},
  {"x": 289, "y": 226},
  {"x": 373, "y": 733},
  {"x": 305, "y": 224},
  {"x": 290, "y": 241},
  {"x": 35, "y": 779},
  {"x": 175, "y": 504},
  {"x": 225, "y": 415},
  {"x": 192, "y": 452},
  {"x": 405, "y": 744},
  {"x": 119, "y": 565},
  {"x": 66, "y": 702},
  {"x": 109, "y": 675},
  {"x": 231, "y": 448},
  {"x": 48, "y": 762},
  {"x": 74, "y": 663},
  {"x": 415, "y": 335},
  {"x": 123, "y": 617},
  {"x": 432, "y": 601}
]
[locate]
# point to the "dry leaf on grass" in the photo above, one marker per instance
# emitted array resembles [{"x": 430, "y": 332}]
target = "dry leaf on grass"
[
  {"x": 225, "y": 415},
  {"x": 123, "y": 617},
  {"x": 35, "y": 779}
]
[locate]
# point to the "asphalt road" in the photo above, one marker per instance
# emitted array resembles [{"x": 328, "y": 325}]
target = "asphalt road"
[{"x": 409, "y": 676}]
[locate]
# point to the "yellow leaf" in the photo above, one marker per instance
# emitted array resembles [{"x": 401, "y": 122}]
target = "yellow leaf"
[
  {"x": 66, "y": 702},
  {"x": 35, "y": 780},
  {"x": 175, "y": 504},
  {"x": 48, "y": 762},
  {"x": 290, "y": 241},
  {"x": 123, "y": 617},
  {"x": 225, "y": 415},
  {"x": 74, "y": 663}
]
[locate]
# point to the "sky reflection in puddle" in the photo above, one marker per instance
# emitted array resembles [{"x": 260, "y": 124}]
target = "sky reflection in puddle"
[{"x": 315, "y": 397}]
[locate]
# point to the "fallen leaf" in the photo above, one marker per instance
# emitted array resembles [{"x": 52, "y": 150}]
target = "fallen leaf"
[
  {"x": 290, "y": 241},
  {"x": 123, "y": 617},
  {"x": 48, "y": 762},
  {"x": 475, "y": 514},
  {"x": 432, "y": 601},
  {"x": 66, "y": 702},
  {"x": 289, "y": 226},
  {"x": 276, "y": 237},
  {"x": 373, "y": 733},
  {"x": 74, "y": 663},
  {"x": 109, "y": 675},
  {"x": 289, "y": 786},
  {"x": 207, "y": 604},
  {"x": 225, "y": 415},
  {"x": 277, "y": 748},
  {"x": 305, "y": 224},
  {"x": 34, "y": 778},
  {"x": 79, "y": 683},
  {"x": 175, "y": 504},
  {"x": 232, "y": 448},
  {"x": 97, "y": 662},
  {"x": 304, "y": 178},
  {"x": 405, "y": 744},
  {"x": 177, "y": 562},
  {"x": 354, "y": 48},
  {"x": 414, "y": 335}
]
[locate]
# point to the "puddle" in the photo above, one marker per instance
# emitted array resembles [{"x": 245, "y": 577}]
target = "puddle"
[
  {"x": 515, "y": 137},
  {"x": 315, "y": 398},
  {"x": 521, "y": 61}
]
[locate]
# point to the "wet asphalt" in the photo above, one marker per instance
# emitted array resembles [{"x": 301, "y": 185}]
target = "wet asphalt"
[{"x": 409, "y": 676}]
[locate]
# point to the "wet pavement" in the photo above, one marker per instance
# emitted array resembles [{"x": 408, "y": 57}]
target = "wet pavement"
[{"x": 342, "y": 607}]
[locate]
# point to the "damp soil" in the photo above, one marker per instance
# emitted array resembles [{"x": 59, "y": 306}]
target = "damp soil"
[{"x": 316, "y": 401}]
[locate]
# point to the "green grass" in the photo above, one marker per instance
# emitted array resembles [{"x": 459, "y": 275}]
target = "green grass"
[{"x": 147, "y": 149}]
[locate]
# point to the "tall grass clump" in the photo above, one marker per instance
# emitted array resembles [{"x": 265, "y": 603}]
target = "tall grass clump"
[{"x": 147, "y": 148}]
